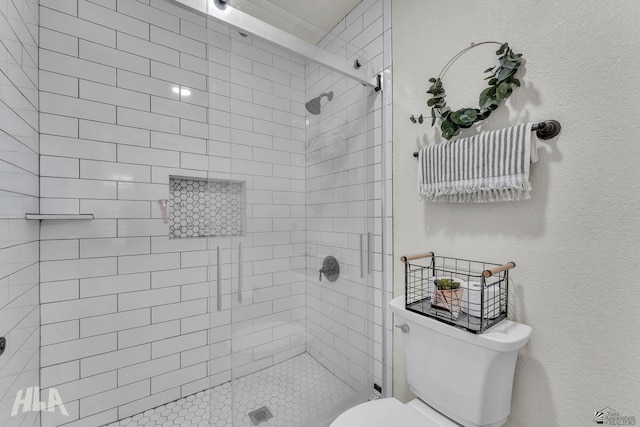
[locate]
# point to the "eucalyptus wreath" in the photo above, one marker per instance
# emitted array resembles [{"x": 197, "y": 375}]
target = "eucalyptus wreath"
[{"x": 501, "y": 81}]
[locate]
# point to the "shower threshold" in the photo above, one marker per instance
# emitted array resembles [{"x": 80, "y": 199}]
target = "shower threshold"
[{"x": 294, "y": 391}]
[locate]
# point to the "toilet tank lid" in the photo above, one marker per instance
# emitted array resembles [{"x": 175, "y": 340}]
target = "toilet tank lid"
[
  {"x": 387, "y": 412},
  {"x": 505, "y": 336}
]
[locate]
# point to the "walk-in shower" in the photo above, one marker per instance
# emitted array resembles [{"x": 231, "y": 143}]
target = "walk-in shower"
[{"x": 198, "y": 190}]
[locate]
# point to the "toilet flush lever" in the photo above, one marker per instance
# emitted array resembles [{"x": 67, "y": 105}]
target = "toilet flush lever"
[{"x": 404, "y": 327}]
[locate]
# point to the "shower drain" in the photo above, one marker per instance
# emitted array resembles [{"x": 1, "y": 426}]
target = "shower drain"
[{"x": 260, "y": 415}]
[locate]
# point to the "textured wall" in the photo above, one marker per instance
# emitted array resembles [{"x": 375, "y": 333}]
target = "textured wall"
[
  {"x": 19, "y": 147},
  {"x": 576, "y": 240}
]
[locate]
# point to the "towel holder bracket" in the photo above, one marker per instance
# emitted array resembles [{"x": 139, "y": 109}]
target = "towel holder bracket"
[
  {"x": 544, "y": 130},
  {"x": 547, "y": 129}
]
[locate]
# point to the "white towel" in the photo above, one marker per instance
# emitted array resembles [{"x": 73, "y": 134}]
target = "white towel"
[{"x": 489, "y": 167}]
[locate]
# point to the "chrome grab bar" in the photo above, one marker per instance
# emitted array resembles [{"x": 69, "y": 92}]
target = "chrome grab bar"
[
  {"x": 240, "y": 273},
  {"x": 219, "y": 279}
]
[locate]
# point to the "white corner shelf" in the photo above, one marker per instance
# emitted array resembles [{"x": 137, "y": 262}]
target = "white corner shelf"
[{"x": 59, "y": 216}]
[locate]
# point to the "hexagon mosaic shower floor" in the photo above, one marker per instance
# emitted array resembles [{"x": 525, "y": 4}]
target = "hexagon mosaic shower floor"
[{"x": 294, "y": 391}]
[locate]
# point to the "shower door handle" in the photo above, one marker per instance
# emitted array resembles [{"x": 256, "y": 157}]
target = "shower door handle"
[
  {"x": 218, "y": 279},
  {"x": 361, "y": 256},
  {"x": 239, "y": 273},
  {"x": 370, "y": 252}
]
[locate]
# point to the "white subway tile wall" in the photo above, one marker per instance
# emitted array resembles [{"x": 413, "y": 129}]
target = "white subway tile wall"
[
  {"x": 19, "y": 171},
  {"x": 135, "y": 92}
]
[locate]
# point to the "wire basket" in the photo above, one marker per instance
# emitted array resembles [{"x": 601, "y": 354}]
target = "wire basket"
[{"x": 476, "y": 304}]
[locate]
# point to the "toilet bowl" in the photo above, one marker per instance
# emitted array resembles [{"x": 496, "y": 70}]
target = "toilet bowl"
[
  {"x": 392, "y": 412},
  {"x": 459, "y": 378}
]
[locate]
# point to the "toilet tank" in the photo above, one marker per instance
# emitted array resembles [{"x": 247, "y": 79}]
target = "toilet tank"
[{"x": 466, "y": 377}]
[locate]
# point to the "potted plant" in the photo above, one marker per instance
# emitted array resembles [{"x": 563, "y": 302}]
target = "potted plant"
[{"x": 448, "y": 295}]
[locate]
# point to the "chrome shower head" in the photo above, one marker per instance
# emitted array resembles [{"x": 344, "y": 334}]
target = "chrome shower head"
[{"x": 314, "y": 106}]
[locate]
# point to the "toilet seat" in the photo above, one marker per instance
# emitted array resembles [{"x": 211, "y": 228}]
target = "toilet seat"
[{"x": 388, "y": 412}]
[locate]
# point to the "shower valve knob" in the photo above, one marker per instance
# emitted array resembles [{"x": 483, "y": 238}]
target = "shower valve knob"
[{"x": 404, "y": 328}]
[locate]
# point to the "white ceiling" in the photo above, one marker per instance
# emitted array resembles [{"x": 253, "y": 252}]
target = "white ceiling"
[{"x": 309, "y": 20}]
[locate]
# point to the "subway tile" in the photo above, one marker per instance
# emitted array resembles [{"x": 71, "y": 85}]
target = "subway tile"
[
  {"x": 75, "y": 67},
  {"x": 59, "y": 291},
  {"x": 114, "y": 359},
  {"x": 88, "y": 386},
  {"x": 59, "y": 332},
  {"x": 178, "y": 344},
  {"x": 112, "y": 285},
  {"x": 75, "y": 107},
  {"x": 116, "y": 209},
  {"x": 114, "y": 96},
  {"x": 59, "y": 84},
  {"x": 77, "y": 349},
  {"x": 80, "y": 28},
  {"x": 148, "y": 85},
  {"x": 150, "y": 298},
  {"x": 76, "y": 148},
  {"x": 194, "y": 63},
  {"x": 178, "y": 109},
  {"x": 115, "y": 322},
  {"x": 173, "y": 74},
  {"x": 69, "y": 7},
  {"x": 176, "y": 41},
  {"x": 154, "y": 262},
  {"x": 142, "y": 227},
  {"x": 78, "y": 188},
  {"x": 182, "y": 276},
  {"x": 78, "y": 309},
  {"x": 164, "y": 244},
  {"x": 149, "y": 14},
  {"x": 110, "y": 171},
  {"x": 179, "y": 310},
  {"x": 167, "y": 141},
  {"x": 53, "y": 250},
  {"x": 148, "y": 369},
  {"x": 146, "y": 120},
  {"x": 112, "y": 19},
  {"x": 112, "y": 398},
  {"x": 147, "y": 49},
  {"x": 59, "y": 374},
  {"x": 97, "y": 248},
  {"x": 150, "y": 333},
  {"x": 179, "y": 377},
  {"x": 58, "y": 125},
  {"x": 77, "y": 269},
  {"x": 113, "y": 57},
  {"x": 139, "y": 191},
  {"x": 107, "y": 132},
  {"x": 153, "y": 401},
  {"x": 59, "y": 167}
]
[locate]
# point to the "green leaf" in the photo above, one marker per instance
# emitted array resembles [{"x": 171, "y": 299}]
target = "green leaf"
[
  {"x": 432, "y": 80},
  {"x": 488, "y": 70},
  {"x": 514, "y": 81},
  {"x": 413, "y": 119},
  {"x": 449, "y": 129},
  {"x": 464, "y": 117},
  {"x": 433, "y": 117},
  {"x": 487, "y": 97},
  {"x": 420, "y": 119}
]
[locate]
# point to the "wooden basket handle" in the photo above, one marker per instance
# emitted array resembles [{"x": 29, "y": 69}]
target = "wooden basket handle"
[
  {"x": 507, "y": 266},
  {"x": 411, "y": 257}
]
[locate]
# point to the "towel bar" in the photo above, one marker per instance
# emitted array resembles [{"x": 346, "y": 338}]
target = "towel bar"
[{"x": 544, "y": 130}]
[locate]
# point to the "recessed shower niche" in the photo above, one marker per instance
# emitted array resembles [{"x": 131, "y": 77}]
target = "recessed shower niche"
[{"x": 200, "y": 207}]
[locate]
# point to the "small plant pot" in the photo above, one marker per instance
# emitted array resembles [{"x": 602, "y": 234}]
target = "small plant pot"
[{"x": 449, "y": 299}]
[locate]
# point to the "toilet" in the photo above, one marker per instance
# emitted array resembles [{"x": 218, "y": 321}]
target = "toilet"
[{"x": 459, "y": 378}]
